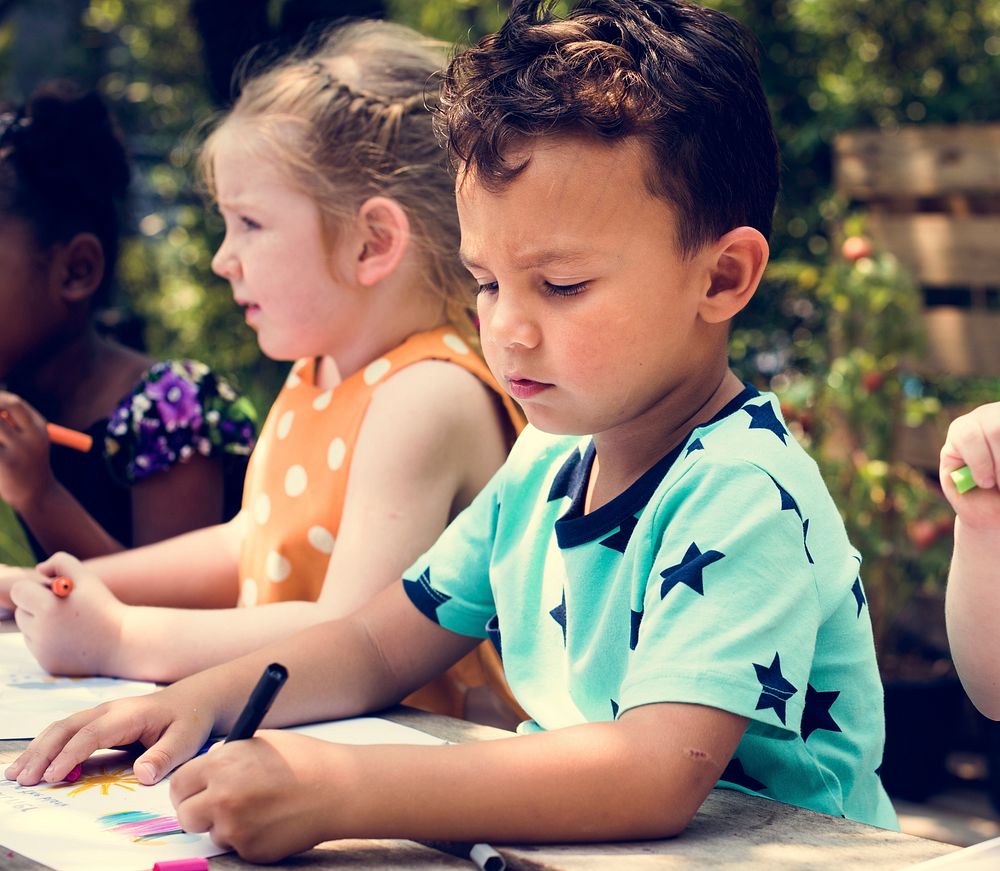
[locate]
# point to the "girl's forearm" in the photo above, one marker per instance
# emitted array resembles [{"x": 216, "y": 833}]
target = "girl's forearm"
[
  {"x": 59, "y": 522},
  {"x": 973, "y": 613},
  {"x": 199, "y": 569},
  {"x": 166, "y": 644}
]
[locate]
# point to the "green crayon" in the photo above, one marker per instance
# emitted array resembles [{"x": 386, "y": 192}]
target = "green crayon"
[{"x": 963, "y": 479}]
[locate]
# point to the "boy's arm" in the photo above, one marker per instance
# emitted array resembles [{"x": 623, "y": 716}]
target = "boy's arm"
[
  {"x": 337, "y": 669},
  {"x": 972, "y": 605},
  {"x": 643, "y": 776}
]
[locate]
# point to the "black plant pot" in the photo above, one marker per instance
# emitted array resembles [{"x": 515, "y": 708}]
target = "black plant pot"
[{"x": 921, "y": 720}]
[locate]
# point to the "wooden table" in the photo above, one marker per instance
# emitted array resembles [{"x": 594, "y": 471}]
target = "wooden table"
[{"x": 731, "y": 831}]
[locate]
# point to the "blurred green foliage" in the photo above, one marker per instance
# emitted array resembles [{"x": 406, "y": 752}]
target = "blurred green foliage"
[
  {"x": 850, "y": 409},
  {"x": 144, "y": 56},
  {"x": 828, "y": 65},
  {"x": 831, "y": 337}
]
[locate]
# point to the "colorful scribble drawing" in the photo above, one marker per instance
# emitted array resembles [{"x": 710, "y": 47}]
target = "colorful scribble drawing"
[
  {"x": 143, "y": 827},
  {"x": 104, "y": 779}
]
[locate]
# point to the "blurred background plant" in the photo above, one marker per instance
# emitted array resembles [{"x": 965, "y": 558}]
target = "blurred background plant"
[
  {"x": 849, "y": 393},
  {"x": 834, "y": 332}
]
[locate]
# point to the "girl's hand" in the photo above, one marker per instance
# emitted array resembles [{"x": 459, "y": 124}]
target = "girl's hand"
[
  {"x": 266, "y": 797},
  {"x": 172, "y": 723},
  {"x": 25, "y": 471},
  {"x": 79, "y": 634},
  {"x": 10, "y": 575},
  {"x": 974, "y": 441}
]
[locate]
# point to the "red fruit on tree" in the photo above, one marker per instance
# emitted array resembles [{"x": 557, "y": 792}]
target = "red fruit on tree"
[
  {"x": 872, "y": 381},
  {"x": 856, "y": 247}
]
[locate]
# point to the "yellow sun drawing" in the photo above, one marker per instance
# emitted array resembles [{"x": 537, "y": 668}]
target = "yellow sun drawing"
[{"x": 105, "y": 779}]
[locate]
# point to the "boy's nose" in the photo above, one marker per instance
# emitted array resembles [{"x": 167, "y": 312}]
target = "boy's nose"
[{"x": 509, "y": 322}]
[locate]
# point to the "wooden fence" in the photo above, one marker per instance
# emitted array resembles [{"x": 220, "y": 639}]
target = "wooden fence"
[{"x": 932, "y": 198}]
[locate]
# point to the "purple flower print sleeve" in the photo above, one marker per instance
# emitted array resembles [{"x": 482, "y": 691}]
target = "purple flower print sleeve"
[{"x": 179, "y": 409}]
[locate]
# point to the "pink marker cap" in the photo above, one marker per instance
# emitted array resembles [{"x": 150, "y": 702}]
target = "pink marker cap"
[
  {"x": 74, "y": 774},
  {"x": 196, "y": 863}
]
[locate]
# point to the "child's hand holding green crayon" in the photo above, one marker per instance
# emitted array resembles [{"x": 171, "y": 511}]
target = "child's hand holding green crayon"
[{"x": 963, "y": 479}]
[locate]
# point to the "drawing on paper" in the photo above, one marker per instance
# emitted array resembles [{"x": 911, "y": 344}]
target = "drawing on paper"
[
  {"x": 108, "y": 820},
  {"x": 143, "y": 827},
  {"x": 104, "y": 779}
]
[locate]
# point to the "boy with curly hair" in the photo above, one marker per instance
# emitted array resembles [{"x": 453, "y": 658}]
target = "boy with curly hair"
[{"x": 660, "y": 565}]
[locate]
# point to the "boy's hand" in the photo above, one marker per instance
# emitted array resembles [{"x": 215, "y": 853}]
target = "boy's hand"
[
  {"x": 25, "y": 470},
  {"x": 78, "y": 634},
  {"x": 172, "y": 723},
  {"x": 974, "y": 441},
  {"x": 10, "y": 575},
  {"x": 267, "y": 797}
]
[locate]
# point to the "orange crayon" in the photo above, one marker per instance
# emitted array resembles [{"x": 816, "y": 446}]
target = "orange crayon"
[
  {"x": 69, "y": 438},
  {"x": 62, "y": 586}
]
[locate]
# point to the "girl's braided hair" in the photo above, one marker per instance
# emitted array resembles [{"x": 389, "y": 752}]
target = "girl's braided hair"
[{"x": 349, "y": 118}]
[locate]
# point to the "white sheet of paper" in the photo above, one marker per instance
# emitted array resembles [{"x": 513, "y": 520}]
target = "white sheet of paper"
[
  {"x": 31, "y": 698},
  {"x": 107, "y": 820},
  {"x": 984, "y": 856}
]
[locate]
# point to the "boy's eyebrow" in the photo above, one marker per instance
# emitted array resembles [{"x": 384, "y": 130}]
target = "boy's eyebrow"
[{"x": 542, "y": 257}]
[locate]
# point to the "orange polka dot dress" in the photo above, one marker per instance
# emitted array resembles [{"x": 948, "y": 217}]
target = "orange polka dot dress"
[{"x": 296, "y": 482}]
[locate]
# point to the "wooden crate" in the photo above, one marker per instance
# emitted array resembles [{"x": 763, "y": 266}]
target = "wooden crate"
[{"x": 932, "y": 198}]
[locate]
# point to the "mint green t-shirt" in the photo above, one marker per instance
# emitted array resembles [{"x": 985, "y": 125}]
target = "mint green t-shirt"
[{"x": 722, "y": 577}]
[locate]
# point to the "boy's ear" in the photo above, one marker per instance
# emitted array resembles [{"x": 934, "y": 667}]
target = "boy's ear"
[
  {"x": 79, "y": 267},
  {"x": 736, "y": 266},
  {"x": 384, "y": 232}
]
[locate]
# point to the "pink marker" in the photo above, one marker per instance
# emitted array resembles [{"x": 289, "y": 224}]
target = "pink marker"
[
  {"x": 196, "y": 863},
  {"x": 74, "y": 774}
]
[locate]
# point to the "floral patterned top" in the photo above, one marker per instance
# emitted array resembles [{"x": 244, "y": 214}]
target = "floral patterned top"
[{"x": 178, "y": 409}]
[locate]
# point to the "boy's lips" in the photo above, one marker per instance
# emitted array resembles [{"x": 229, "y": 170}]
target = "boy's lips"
[{"x": 525, "y": 388}]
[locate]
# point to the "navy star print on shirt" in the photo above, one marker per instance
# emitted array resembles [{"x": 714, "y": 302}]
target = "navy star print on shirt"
[
  {"x": 567, "y": 478},
  {"x": 859, "y": 594},
  {"x": 775, "y": 691},
  {"x": 805, "y": 543},
  {"x": 688, "y": 570},
  {"x": 424, "y": 596},
  {"x": 633, "y": 635},
  {"x": 559, "y": 615},
  {"x": 816, "y": 714},
  {"x": 763, "y": 417},
  {"x": 619, "y": 540},
  {"x": 788, "y": 503},
  {"x": 735, "y": 773}
]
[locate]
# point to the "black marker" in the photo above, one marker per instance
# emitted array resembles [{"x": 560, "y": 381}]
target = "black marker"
[
  {"x": 483, "y": 856},
  {"x": 272, "y": 680}
]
